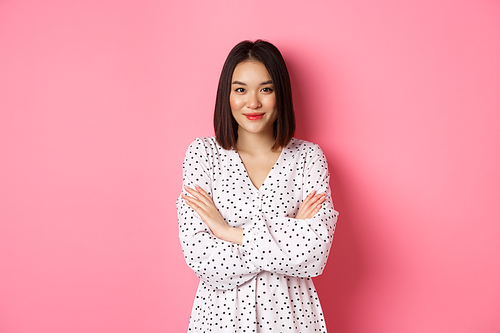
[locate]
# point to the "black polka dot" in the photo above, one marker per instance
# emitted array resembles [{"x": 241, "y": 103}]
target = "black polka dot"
[{"x": 263, "y": 285}]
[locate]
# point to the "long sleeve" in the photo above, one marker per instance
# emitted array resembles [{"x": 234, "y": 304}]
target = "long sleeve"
[
  {"x": 220, "y": 264},
  {"x": 295, "y": 247},
  {"x": 241, "y": 286}
]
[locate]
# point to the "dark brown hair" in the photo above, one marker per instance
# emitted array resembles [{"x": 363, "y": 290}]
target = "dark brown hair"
[{"x": 226, "y": 128}]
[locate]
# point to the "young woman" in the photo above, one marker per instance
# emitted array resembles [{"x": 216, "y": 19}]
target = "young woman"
[{"x": 256, "y": 218}]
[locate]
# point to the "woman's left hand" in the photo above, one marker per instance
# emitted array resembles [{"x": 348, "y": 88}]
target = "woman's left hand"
[{"x": 202, "y": 203}]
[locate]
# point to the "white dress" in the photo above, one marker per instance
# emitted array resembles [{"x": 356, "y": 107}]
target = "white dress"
[{"x": 263, "y": 285}]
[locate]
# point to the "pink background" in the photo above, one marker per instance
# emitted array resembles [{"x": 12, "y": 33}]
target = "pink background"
[{"x": 100, "y": 99}]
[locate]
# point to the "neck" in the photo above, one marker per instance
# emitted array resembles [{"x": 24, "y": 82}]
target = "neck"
[{"x": 255, "y": 143}]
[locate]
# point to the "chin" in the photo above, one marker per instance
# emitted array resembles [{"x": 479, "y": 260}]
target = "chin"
[{"x": 259, "y": 130}]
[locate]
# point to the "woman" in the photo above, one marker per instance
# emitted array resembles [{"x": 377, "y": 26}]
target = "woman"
[{"x": 256, "y": 218}]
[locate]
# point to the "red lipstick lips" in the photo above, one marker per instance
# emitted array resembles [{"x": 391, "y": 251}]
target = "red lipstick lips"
[{"x": 254, "y": 116}]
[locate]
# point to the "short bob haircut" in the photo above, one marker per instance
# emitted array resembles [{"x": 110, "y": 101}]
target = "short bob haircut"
[{"x": 226, "y": 128}]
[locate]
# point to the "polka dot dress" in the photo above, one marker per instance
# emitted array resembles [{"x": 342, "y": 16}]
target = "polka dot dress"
[{"x": 263, "y": 285}]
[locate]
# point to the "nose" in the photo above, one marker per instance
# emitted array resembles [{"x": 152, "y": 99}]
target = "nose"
[{"x": 253, "y": 101}]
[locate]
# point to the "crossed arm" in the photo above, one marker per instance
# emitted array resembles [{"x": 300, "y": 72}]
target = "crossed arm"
[{"x": 202, "y": 203}]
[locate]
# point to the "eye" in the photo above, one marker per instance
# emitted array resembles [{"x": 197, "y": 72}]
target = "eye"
[
  {"x": 239, "y": 90},
  {"x": 267, "y": 90}
]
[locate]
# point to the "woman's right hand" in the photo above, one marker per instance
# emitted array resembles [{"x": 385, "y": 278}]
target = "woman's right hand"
[{"x": 311, "y": 205}]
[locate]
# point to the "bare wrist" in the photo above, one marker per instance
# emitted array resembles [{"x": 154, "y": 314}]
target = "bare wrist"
[{"x": 230, "y": 234}]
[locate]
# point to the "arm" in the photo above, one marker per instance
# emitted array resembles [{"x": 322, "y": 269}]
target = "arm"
[
  {"x": 220, "y": 264},
  {"x": 202, "y": 204},
  {"x": 293, "y": 246}
]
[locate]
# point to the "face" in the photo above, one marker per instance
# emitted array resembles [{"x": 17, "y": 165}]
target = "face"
[{"x": 252, "y": 98}]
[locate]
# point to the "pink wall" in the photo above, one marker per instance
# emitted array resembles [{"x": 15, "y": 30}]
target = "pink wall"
[{"x": 99, "y": 100}]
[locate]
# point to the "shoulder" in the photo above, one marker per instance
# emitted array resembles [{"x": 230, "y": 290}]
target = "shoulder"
[
  {"x": 203, "y": 144},
  {"x": 308, "y": 153},
  {"x": 206, "y": 149},
  {"x": 304, "y": 147}
]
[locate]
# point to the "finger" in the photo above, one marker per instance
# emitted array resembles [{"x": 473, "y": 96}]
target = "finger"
[
  {"x": 320, "y": 198},
  {"x": 191, "y": 191},
  {"x": 319, "y": 195},
  {"x": 187, "y": 189},
  {"x": 312, "y": 197},
  {"x": 195, "y": 201},
  {"x": 309, "y": 196},
  {"x": 199, "y": 189},
  {"x": 314, "y": 212},
  {"x": 203, "y": 192},
  {"x": 187, "y": 197},
  {"x": 198, "y": 195},
  {"x": 307, "y": 204},
  {"x": 198, "y": 209},
  {"x": 312, "y": 209},
  {"x": 192, "y": 202},
  {"x": 190, "y": 199},
  {"x": 311, "y": 214}
]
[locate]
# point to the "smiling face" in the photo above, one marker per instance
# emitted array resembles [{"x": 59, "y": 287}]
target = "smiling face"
[{"x": 252, "y": 98}]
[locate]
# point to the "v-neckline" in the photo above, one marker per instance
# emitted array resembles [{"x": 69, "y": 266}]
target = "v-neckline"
[{"x": 269, "y": 173}]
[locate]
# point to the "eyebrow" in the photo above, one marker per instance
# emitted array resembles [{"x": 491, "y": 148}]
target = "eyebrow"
[{"x": 261, "y": 84}]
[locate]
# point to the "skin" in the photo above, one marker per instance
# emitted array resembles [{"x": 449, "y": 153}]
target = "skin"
[{"x": 253, "y": 106}]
